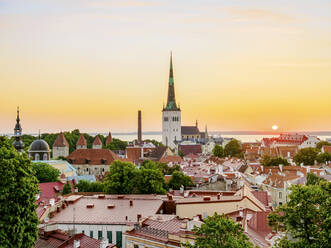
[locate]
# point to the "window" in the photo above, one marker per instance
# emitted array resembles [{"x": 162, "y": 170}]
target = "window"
[
  {"x": 91, "y": 234},
  {"x": 83, "y": 232},
  {"x": 119, "y": 239},
  {"x": 135, "y": 246},
  {"x": 165, "y": 118},
  {"x": 280, "y": 195},
  {"x": 36, "y": 157},
  {"x": 99, "y": 235},
  {"x": 45, "y": 156},
  {"x": 110, "y": 237}
]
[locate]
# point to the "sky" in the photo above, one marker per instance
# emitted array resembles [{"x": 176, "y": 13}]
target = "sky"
[{"x": 92, "y": 64}]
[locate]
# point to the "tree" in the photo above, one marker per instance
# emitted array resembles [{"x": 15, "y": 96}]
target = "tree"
[
  {"x": 268, "y": 160},
  {"x": 307, "y": 156},
  {"x": 18, "y": 190},
  {"x": 178, "y": 179},
  {"x": 180, "y": 153},
  {"x": 312, "y": 179},
  {"x": 218, "y": 151},
  {"x": 219, "y": 231},
  {"x": 121, "y": 178},
  {"x": 66, "y": 189},
  {"x": 150, "y": 181},
  {"x": 233, "y": 149},
  {"x": 320, "y": 144},
  {"x": 117, "y": 144},
  {"x": 323, "y": 157},
  {"x": 306, "y": 218},
  {"x": 45, "y": 173},
  {"x": 87, "y": 186}
]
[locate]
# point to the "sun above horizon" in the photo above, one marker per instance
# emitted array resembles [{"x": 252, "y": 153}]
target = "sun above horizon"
[{"x": 274, "y": 127}]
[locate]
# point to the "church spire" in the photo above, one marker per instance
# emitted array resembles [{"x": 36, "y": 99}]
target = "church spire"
[
  {"x": 171, "y": 102},
  {"x": 18, "y": 143}
]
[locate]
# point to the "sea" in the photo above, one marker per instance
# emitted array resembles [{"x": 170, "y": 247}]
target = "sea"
[{"x": 241, "y": 137}]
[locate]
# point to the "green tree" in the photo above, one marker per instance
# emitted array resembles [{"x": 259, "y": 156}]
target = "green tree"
[
  {"x": 320, "y": 144},
  {"x": 18, "y": 190},
  {"x": 219, "y": 231},
  {"x": 218, "y": 151},
  {"x": 312, "y": 179},
  {"x": 233, "y": 149},
  {"x": 66, "y": 189},
  {"x": 45, "y": 173},
  {"x": 150, "y": 181},
  {"x": 306, "y": 218},
  {"x": 117, "y": 144},
  {"x": 178, "y": 179},
  {"x": 180, "y": 153},
  {"x": 323, "y": 157},
  {"x": 121, "y": 178},
  {"x": 307, "y": 156},
  {"x": 268, "y": 160}
]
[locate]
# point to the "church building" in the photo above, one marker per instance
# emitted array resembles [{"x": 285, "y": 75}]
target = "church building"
[
  {"x": 18, "y": 143},
  {"x": 171, "y": 115}
]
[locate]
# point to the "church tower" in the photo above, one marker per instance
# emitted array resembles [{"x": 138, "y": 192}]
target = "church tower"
[
  {"x": 171, "y": 115},
  {"x": 18, "y": 143}
]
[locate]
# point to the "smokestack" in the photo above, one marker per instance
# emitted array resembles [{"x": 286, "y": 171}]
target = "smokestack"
[{"x": 139, "y": 127}]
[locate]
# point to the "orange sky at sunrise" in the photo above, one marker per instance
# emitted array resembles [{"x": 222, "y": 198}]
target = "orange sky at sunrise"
[{"x": 238, "y": 65}]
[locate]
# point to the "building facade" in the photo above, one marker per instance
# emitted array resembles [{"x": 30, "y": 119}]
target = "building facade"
[{"x": 171, "y": 115}]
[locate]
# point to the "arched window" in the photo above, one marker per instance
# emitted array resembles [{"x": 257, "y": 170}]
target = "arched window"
[
  {"x": 36, "y": 156},
  {"x": 45, "y": 157}
]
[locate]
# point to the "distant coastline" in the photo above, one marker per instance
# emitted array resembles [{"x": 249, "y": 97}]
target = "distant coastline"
[{"x": 317, "y": 133}]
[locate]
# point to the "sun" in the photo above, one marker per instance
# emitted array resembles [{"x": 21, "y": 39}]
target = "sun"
[{"x": 274, "y": 127}]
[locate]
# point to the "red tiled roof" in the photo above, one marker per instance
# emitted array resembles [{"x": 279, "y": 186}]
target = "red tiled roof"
[
  {"x": 61, "y": 141},
  {"x": 85, "y": 242},
  {"x": 262, "y": 196},
  {"x": 81, "y": 141},
  {"x": 173, "y": 159},
  {"x": 109, "y": 139},
  {"x": 97, "y": 141},
  {"x": 187, "y": 149},
  {"x": 92, "y": 156},
  {"x": 121, "y": 211},
  {"x": 49, "y": 191},
  {"x": 133, "y": 153},
  {"x": 327, "y": 149},
  {"x": 171, "y": 226}
]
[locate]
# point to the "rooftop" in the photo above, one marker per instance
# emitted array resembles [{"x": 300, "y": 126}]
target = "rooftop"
[{"x": 112, "y": 209}]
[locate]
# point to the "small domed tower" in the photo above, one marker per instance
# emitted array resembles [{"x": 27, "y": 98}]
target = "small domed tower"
[{"x": 39, "y": 150}]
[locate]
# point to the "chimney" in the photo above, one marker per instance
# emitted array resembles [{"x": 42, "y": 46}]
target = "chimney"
[
  {"x": 138, "y": 217},
  {"x": 131, "y": 203},
  {"x": 139, "y": 127},
  {"x": 76, "y": 243}
]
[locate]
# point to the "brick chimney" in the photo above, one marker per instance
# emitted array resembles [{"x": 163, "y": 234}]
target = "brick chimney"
[{"x": 139, "y": 127}]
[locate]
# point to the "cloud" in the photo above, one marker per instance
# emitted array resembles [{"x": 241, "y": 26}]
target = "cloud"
[{"x": 254, "y": 14}]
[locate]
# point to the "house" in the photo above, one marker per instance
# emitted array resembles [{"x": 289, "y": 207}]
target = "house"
[
  {"x": 92, "y": 161},
  {"x": 59, "y": 239},
  {"x": 190, "y": 148},
  {"x": 162, "y": 231},
  {"x": 310, "y": 142},
  {"x": 63, "y": 166},
  {"x": 104, "y": 216}
]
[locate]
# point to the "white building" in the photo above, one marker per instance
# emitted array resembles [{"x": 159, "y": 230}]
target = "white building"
[
  {"x": 310, "y": 142},
  {"x": 171, "y": 115}
]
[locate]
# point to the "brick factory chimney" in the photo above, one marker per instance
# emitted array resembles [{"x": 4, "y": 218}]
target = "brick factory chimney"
[{"x": 139, "y": 127}]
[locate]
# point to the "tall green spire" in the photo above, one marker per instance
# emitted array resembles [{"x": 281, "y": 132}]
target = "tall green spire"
[{"x": 171, "y": 102}]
